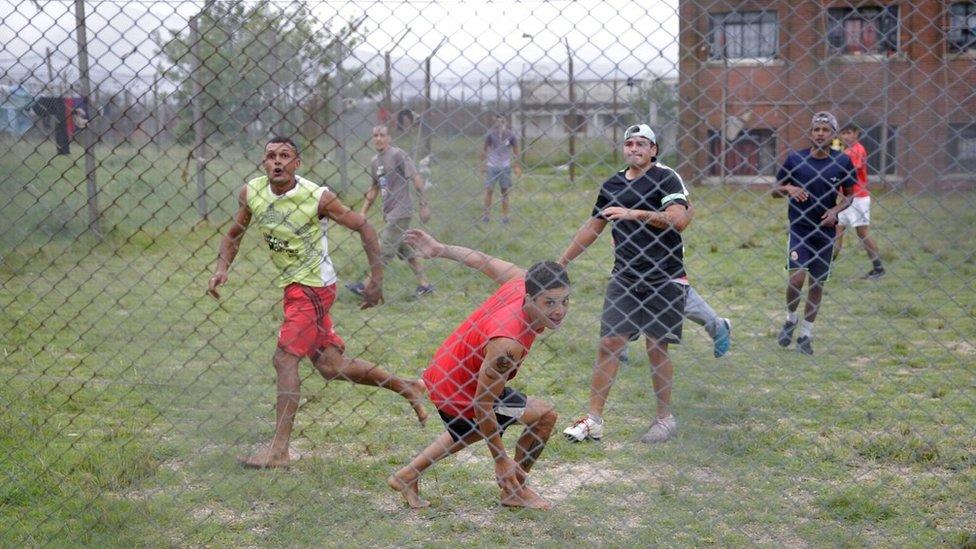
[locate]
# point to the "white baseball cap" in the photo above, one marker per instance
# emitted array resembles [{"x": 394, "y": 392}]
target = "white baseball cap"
[{"x": 640, "y": 130}]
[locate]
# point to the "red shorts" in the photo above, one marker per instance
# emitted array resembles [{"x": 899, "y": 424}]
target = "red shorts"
[{"x": 308, "y": 326}]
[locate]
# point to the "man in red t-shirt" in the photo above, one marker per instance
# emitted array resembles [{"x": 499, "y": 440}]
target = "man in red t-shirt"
[
  {"x": 858, "y": 215},
  {"x": 467, "y": 377}
]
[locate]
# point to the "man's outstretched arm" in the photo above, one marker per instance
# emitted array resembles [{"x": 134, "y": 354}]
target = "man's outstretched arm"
[
  {"x": 330, "y": 206},
  {"x": 428, "y": 247}
]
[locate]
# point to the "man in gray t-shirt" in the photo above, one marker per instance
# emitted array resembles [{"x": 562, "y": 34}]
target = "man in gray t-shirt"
[
  {"x": 498, "y": 156},
  {"x": 392, "y": 172}
]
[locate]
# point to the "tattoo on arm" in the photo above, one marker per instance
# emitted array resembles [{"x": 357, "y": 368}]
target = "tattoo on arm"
[{"x": 503, "y": 364}]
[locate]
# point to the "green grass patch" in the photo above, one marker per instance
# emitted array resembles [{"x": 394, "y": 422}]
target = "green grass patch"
[{"x": 126, "y": 393}]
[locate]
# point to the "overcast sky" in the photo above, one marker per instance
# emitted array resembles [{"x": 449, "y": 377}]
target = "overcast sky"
[{"x": 608, "y": 37}]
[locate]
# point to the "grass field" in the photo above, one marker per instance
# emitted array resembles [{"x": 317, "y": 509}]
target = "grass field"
[{"x": 125, "y": 393}]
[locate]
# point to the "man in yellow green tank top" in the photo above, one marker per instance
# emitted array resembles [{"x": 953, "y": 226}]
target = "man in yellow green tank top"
[{"x": 292, "y": 214}]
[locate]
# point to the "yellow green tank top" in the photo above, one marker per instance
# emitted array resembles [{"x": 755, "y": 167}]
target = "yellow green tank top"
[{"x": 293, "y": 231}]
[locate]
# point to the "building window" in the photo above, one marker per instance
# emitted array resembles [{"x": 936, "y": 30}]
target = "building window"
[
  {"x": 962, "y": 148},
  {"x": 855, "y": 31},
  {"x": 743, "y": 35},
  {"x": 962, "y": 26},
  {"x": 752, "y": 152}
]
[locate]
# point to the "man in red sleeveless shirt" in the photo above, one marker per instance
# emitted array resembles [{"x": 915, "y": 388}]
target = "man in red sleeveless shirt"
[
  {"x": 467, "y": 378},
  {"x": 859, "y": 214}
]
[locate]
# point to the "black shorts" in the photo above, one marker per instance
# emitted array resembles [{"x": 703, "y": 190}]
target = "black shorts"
[
  {"x": 811, "y": 249},
  {"x": 509, "y": 407},
  {"x": 654, "y": 310}
]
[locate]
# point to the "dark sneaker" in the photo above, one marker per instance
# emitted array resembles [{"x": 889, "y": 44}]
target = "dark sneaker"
[
  {"x": 804, "y": 346},
  {"x": 873, "y": 274},
  {"x": 485, "y": 219},
  {"x": 505, "y": 220},
  {"x": 786, "y": 334},
  {"x": 723, "y": 339},
  {"x": 421, "y": 291},
  {"x": 356, "y": 287}
]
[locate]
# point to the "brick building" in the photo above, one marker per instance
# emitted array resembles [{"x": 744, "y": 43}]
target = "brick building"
[{"x": 753, "y": 71}]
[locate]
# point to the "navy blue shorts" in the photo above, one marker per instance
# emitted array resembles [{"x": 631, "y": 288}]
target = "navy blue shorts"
[
  {"x": 509, "y": 407},
  {"x": 812, "y": 250}
]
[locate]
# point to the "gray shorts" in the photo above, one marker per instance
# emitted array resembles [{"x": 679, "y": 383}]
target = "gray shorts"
[
  {"x": 502, "y": 176},
  {"x": 654, "y": 310},
  {"x": 391, "y": 240}
]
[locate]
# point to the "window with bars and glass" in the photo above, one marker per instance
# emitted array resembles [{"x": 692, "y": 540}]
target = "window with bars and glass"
[
  {"x": 743, "y": 35},
  {"x": 751, "y": 152},
  {"x": 862, "y": 30},
  {"x": 962, "y": 148},
  {"x": 962, "y": 26}
]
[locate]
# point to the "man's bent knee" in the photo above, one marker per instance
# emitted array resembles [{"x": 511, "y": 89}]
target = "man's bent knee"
[{"x": 329, "y": 361}]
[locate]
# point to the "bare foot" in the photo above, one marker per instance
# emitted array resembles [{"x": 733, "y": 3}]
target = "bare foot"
[
  {"x": 527, "y": 498},
  {"x": 416, "y": 397},
  {"x": 409, "y": 490},
  {"x": 265, "y": 458}
]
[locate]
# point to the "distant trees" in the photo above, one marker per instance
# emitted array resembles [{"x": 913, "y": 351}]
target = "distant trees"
[{"x": 263, "y": 69}]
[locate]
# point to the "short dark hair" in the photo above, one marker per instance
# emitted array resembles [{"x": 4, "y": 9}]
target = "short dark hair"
[
  {"x": 282, "y": 139},
  {"x": 851, "y": 128},
  {"x": 545, "y": 275}
]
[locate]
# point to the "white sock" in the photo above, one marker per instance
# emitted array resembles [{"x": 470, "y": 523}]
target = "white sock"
[
  {"x": 595, "y": 419},
  {"x": 791, "y": 317},
  {"x": 806, "y": 328}
]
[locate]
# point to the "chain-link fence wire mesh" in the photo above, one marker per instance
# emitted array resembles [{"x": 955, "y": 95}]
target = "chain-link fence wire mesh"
[{"x": 130, "y": 128}]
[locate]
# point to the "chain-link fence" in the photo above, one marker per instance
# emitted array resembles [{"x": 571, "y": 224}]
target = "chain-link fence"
[{"x": 129, "y": 130}]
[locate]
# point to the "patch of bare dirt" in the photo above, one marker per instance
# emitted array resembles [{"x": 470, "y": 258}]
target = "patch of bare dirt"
[{"x": 559, "y": 482}]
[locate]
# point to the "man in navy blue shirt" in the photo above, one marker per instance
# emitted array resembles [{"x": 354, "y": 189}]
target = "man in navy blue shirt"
[{"x": 811, "y": 179}]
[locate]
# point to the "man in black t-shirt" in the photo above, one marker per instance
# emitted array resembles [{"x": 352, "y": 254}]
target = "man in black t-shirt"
[{"x": 647, "y": 205}]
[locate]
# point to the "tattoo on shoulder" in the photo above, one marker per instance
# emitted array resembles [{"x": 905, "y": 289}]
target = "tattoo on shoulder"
[{"x": 505, "y": 363}]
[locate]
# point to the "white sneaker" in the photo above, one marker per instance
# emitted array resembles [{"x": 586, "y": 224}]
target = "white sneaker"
[
  {"x": 584, "y": 429},
  {"x": 661, "y": 430}
]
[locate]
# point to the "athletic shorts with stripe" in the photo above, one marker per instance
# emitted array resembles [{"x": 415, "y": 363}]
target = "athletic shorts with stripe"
[
  {"x": 509, "y": 407},
  {"x": 307, "y": 327},
  {"x": 654, "y": 310}
]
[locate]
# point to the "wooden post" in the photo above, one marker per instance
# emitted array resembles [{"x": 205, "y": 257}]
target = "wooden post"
[
  {"x": 50, "y": 71},
  {"x": 498, "y": 91},
  {"x": 571, "y": 116},
  {"x": 614, "y": 141},
  {"x": 425, "y": 115},
  {"x": 94, "y": 216},
  {"x": 341, "y": 119},
  {"x": 199, "y": 144},
  {"x": 522, "y": 120}
]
